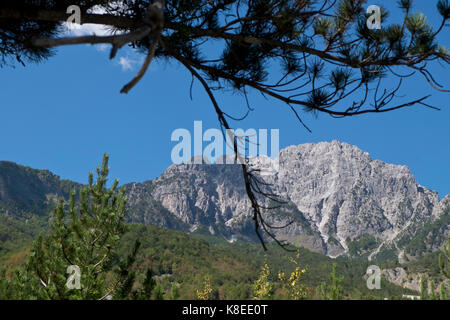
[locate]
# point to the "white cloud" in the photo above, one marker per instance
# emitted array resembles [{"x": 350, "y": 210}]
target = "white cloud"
[
  {"x": 89, "y": 29},
  {"x": 128, "y": 63},
  {"x": 76, "y": 30}
]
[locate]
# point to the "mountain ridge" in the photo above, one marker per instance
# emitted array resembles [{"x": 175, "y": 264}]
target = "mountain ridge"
[
  {"x": 325, "y": 182},
  {"x": 339, "y": 200}
]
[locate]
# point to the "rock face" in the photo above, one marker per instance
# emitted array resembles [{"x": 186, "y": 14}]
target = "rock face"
[
  {"x": 338, "y": 199},
  {"x": 400, "y": 277},
  {"x": 412, "y": 281}
]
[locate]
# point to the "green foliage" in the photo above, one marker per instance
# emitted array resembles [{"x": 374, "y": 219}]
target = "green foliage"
[
  {"x": 426, "y": 264},
  {"x": 296, "y": 289},
  {"x": 362, "y": 245},
  {"x": 148, "y": 285},
  {"x": 159, "y": 292},
  {"x": 263, "y": 287},
  {"x": 444, "y": 292},
  {"x": 334, "y": 290},
  {"x": 174, "y": 292},
  {"x": 16, "y": 233},
  {"x": 443, "y": 7},
  {"x": 444, "y": 260},
  {"x": 83, "y": 235},
  {"x": 423, "y": 289},
  {"x": 334, "y": 241},
  {"x": 428, "y": 290},
  {"x": 444, "y": 266},
  {"x": 7, "y": 290},
  {"x": 433, "y": 295},
  {"x": 323, "y": 26},
  {"x": 430, "y": 233},
  {"x": 254, "y": 35},
  {"x": 404, "y": 4},
  {"x": 126, "y": 276},
  {"x": 206, "y": 292},
  {"x": 417, "y": 23},
  {"x": 168, "y": 258}
]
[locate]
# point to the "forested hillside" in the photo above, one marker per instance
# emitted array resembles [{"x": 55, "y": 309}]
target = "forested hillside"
[
  {"x": 185, "y": 259},
  {"x": 176, "y": 257}
]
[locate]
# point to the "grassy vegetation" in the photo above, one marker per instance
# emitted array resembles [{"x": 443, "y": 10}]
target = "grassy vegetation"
[
  {"x": 430, "y": 233},
  {"x": 361, "y": 246},
  {"x": 187, "y": 259},
  {"x": 16, "y": 234}
]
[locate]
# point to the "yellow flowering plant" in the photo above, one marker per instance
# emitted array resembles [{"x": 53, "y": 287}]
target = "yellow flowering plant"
[
  {"x": 262, "y": 287},
  {"x": 206, "y": 292},
  {"x": 296, "y": 290}
]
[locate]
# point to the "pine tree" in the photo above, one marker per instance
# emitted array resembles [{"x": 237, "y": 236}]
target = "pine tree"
[
  {"x": 6, "y": 286},
  {"x": 159, "y": 292},
  {"x": 334, "y": 290},
  {"x": 423, "y": 289},
  {"x": 174, "y": 292},
  {"x": 443, "y": 292},
  {"x": 126, "y": 276},
  {"x": 82, "y": 240},
  {"x": 433, "y": 295},
  {"x": 148, "y": 286},
  {"x": 444, "y": 265},
  {"x": 444, "y": 260}
]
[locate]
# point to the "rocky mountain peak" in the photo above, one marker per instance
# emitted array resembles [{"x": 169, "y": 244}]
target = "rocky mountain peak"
[
  {"x": 337, "y": 200},
  {"x": 336, "y": 195}
]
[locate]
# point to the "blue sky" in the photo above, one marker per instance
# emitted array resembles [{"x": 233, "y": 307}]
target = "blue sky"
[{"x": 64, "y": 114}]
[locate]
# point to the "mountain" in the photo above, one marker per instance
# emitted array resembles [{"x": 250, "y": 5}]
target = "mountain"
[
  {"x": 339, "y": 200},
  {"x": 26, "y": 192},
  {"x": 26, "y": 199}
]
